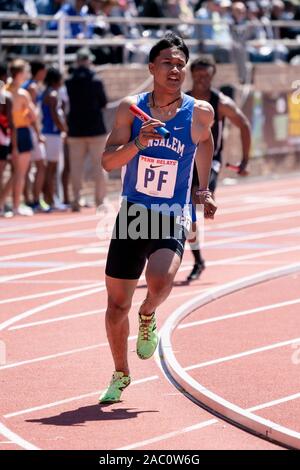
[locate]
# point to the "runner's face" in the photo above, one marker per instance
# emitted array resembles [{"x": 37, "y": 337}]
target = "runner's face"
[
  {"x": 169, "y": 68},
  {"x": 202, "y": 78}
]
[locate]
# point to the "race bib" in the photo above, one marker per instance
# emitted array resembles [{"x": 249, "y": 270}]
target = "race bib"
[{"x": 156, "y": 177}]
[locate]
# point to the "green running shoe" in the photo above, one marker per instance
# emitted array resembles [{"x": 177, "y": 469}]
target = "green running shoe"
[
  {"x": 117, "y": 384},
  {"x": 147, "y": 337}
]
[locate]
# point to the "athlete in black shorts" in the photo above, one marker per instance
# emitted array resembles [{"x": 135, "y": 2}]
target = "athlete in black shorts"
[
  {"x": 203, "y": 70},
  {"x": 156, "y": 188}
]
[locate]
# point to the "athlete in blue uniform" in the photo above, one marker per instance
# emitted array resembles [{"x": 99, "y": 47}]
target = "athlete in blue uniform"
[{"x": 155, "y": 213}]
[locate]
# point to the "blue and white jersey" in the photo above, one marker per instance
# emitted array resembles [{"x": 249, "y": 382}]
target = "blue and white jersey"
[{"x": 161, "y": 175}]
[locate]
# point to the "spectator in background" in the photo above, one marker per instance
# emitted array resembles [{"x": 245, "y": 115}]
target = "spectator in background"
[
  {"x": 54, "y": 125},
  {"x": 151, "y": 9},
  {"x": 24, "y": 114},
  {"x": 87, "y": 133},
  {"x": 214, "y": 10},
  {"x": 38, "y": 154},
  {"x": 13, "y": 6},
  {"x": 182, "y": 10},
  {"x": 73, "y": 30},
  {"x": 261, "y": 29},
  {"x": 65, "y": 175},
  {"x": 101, "y": 9},
  {"x": 48, "y": 7}
]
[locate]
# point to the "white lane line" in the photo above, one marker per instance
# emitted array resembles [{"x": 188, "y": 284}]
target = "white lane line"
[
  {"x": 270, "y": 193},
  {"x": 69, "y": 400},
  {"x": 99, "y": 245},
  {"x": 41, "y": 272},
  {"x": 274, "y": 233},
  {"x": 239, "y": 314},
  {"x": 16, "y": 439},
  {"x": 49, "y": 251},
  {"x": 256, "y": 207},
  {"x": 197, "y": 390},
  {"x": 54, "y": 303},
  {"x": 13, "y": 320},
  {"x": 192, "y": 367},
  {"x": 61, "y": 354},
  {"x": 279, "y": 401},
  {"x": 257, "y": 263},
  {"x": 160, "y": 437},
  {"x": 56, "y": 319},
  {"x": 169, "y": 435},
  {"x": 85, "y": 314},
  {"x": 92, "y": 231},
  {"x": 46, "y": 306},
  {"x": 51, "y": 304},
  {"x": 233, "y": 260},
  {"x": 253, "y": 236},
  {"x": 53, "y": 236},
  {"x": 69, "y": 220},
  {"x": 228, "y": 260},
  {"x": 53, "y": 356},
  {"x": 243, "y": 354},
  {"x": 49, "y": 223},
  {"x": 69, "y": 352},
  {"x": 253, "y": 220},
  {"x": 49, "y": 293},
  {"x": 55, "y": 281},
  {"x": 202, "y": 424},
  {"x": 221, "y": 262}
]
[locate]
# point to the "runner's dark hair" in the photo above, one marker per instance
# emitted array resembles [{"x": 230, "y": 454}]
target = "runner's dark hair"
[{"x": 169, "y": 40}]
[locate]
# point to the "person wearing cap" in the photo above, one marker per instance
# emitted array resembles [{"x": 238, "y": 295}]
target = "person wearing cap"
[
  {"x": 218, "y": 30},
  {"x": 87, "y": 133}
]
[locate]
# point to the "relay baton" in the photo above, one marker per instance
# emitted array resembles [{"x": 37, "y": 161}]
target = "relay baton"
[
  {"x": 236, "y": 168},
  {"x": 140, "y": 114},
  {"x": 232, "y": 167}
]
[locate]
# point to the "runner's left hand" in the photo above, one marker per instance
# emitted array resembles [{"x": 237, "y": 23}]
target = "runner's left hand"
[
  {"x": 242, "y": 167},
  {"x": 210, "y": 207}
]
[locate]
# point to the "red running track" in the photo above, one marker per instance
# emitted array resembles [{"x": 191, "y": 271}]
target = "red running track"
[{"x": 52, "y": 302}]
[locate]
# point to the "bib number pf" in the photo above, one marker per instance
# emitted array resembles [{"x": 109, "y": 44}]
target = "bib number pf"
[{"x": 156, "y": 177}]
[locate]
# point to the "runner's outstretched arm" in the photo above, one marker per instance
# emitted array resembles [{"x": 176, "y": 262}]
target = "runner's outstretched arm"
[{"x": 204, "y": 115}]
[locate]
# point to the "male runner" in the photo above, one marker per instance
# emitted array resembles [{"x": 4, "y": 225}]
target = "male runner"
[
  {"x": 203, "y": 70},
  {"x": 157, "y": 176}
]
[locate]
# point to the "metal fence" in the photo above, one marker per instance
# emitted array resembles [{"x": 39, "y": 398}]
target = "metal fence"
[{"x": 33, "y": 31}]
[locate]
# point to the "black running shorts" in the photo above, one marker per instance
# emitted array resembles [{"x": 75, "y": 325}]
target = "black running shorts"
[
  {"x": 136, "y": 237},
  {"x": 4, "y": 152}
]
